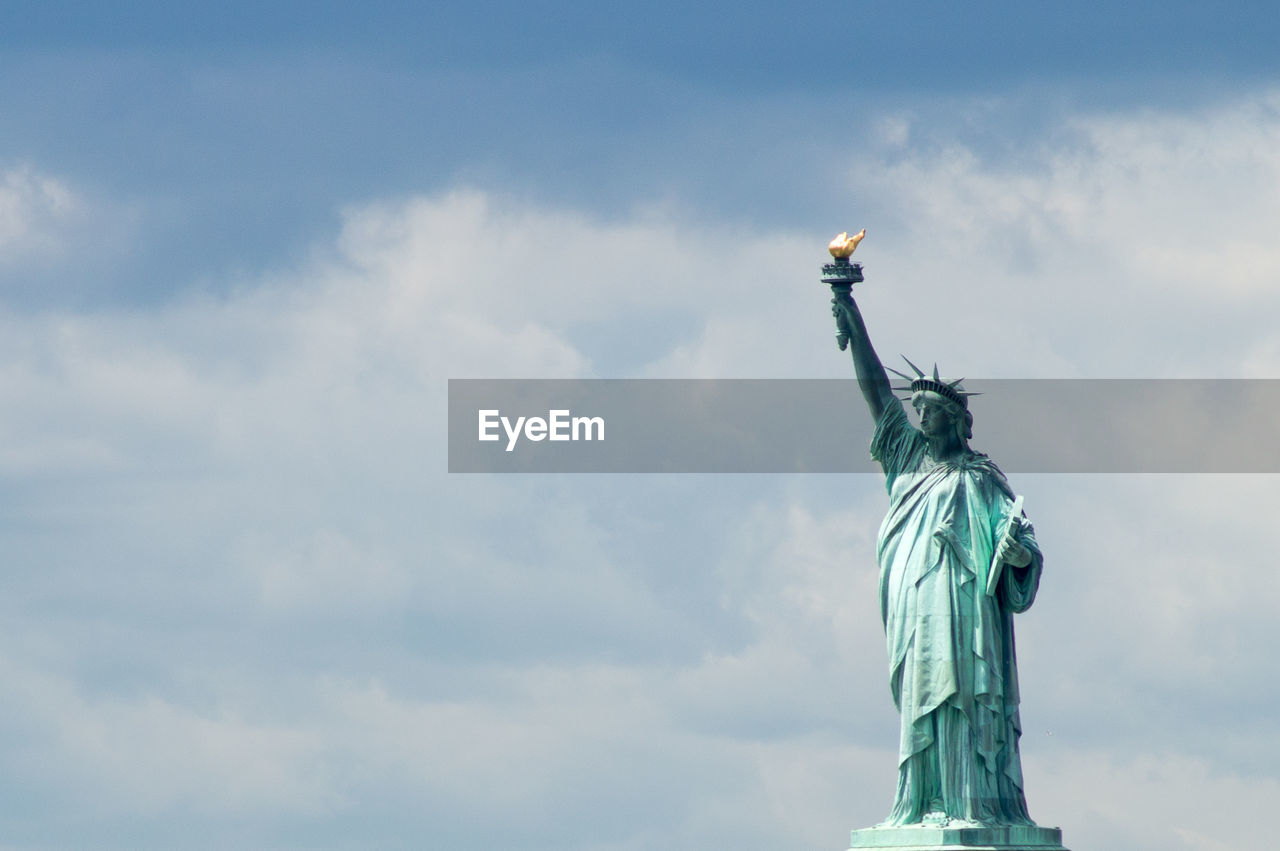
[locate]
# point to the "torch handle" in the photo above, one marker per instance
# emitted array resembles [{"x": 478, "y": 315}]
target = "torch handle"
[{"x": 841, "y": 293}]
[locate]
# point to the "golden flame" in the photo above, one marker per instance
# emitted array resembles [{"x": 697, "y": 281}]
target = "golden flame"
[{"x": 844, "y": 245}]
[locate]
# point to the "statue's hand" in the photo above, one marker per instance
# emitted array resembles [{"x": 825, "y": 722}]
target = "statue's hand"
[
  {"x": 841, "y": 313},
  {"x": 1012, "y": 553}
]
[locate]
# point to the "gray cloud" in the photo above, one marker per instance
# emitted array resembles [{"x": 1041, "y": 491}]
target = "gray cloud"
[{"x": 244, "y": 598}]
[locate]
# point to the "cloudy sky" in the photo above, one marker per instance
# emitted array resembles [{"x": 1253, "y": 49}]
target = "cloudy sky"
[{"x": 243, "y": 246}]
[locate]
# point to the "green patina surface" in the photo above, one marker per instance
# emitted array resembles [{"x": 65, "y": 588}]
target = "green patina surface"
[
  {"x": 950, "y": 644},
  {"x": 957, "y": 562}
]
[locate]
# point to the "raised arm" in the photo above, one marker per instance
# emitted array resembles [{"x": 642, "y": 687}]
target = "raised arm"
[{"x": 871, "y": 375}]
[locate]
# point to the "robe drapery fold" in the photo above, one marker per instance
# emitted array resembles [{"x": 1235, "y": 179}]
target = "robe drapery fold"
[{"x": 952, "y": 667}]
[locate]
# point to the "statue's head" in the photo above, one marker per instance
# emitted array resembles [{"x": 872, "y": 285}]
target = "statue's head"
[
  {"x": 942, "y": 404},
  {"x": 939, "y": 414}
]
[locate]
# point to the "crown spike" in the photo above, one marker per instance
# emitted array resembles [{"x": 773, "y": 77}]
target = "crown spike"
[{"x": 946, "y": 388}]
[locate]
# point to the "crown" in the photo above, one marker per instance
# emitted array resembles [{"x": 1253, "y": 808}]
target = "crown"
[{"x": 921, "y": 383}]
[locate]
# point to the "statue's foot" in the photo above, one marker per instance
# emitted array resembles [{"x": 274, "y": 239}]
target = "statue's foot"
[{"x": 934, "y": 818}]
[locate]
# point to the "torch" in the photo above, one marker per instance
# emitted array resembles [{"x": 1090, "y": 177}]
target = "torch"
[{"x": 841, "y": 274}]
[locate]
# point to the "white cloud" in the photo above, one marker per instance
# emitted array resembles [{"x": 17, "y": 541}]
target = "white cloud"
[
  {"x": 327, "y": 573},
  {"x": 1117, "y": 245},
  {"x": 1132, "y": 244},
  {"x": 60, "y": 242},
  {"x": 1153, "y": 801},
  {"x": 144, "y": 755},
  {"x": 34, "y": 210}
]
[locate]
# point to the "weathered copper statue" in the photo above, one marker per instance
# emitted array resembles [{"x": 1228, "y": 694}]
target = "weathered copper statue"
[{"x": 957, "y": 561}]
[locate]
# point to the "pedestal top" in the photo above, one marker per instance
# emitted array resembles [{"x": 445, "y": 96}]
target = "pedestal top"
[{"x": 943, "y": 838}]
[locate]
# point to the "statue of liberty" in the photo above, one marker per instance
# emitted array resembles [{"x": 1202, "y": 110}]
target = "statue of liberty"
[{"x": 957, "y": 561}]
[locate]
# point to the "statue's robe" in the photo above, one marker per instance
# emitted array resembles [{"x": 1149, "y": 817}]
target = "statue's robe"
[{"x": 952, "y": 668}]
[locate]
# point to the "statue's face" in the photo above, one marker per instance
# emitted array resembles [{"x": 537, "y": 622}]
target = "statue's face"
[{"x": 935, "y": 419}]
